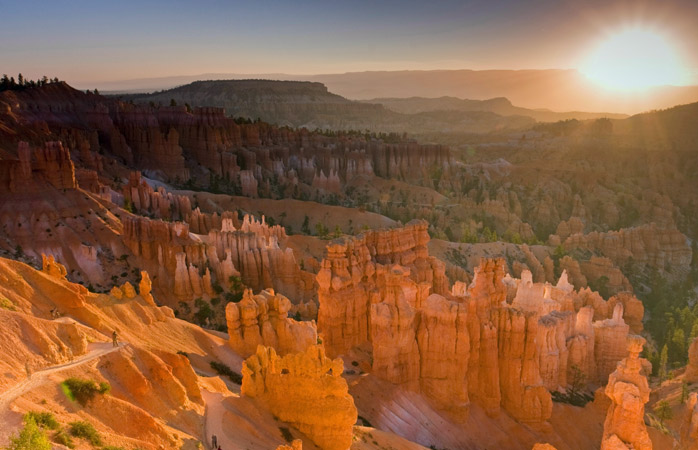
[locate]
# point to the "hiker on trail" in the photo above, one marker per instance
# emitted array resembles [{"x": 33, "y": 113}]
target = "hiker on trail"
[
  {"x": 115, "y": 339},
  {"x": 214, "y": 441},
  {"x": 219, "y": 448}
]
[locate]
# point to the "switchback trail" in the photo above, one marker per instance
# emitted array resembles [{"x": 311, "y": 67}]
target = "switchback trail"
[{"x": 40, "y": 376}]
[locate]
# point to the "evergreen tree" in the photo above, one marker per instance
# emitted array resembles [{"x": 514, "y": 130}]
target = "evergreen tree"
[
  {"x": 663, "y": 359},
  {"x": 663, "y": 411}
]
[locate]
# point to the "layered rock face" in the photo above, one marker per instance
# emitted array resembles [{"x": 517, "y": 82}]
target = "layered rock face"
[
  {"x": 162, "y": 204},
  {"x": 189, "y": 264},
  {"x": 689, "y": 427},
  {"x": 34, "y": 169},
  {"x": 306, "y": 390},
  {"x": 628, "y": 390},
  {"x": 501, "y": 342},
  {"x": 352, "y": 270},
  {"x": 262, "y": 320},
  {"x": 154, "y": 149},
  {"x": 648, "y": 244}
]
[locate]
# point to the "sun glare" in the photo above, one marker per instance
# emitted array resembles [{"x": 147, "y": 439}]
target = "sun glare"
[{"x": 634, "y": 59}]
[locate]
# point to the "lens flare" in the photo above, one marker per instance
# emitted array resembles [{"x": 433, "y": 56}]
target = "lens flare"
[{"x": 634, "y": 59}]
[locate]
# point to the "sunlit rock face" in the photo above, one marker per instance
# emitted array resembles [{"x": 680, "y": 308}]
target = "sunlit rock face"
[
  {"x": 628, "y": 390},
  {"x": 306, "y": 390},
  {"x": 689, "y": 425},
  {"x": 262, "y": 319},
  {"x": 188, "y": 265},
  {"x": 501, "y": 343}
]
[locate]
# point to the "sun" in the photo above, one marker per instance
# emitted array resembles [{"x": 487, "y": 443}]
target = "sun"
[{"x": 634, "y": 59}]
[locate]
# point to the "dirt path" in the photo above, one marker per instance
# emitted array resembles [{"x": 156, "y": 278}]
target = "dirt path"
[{"x": 41, "y": 376}]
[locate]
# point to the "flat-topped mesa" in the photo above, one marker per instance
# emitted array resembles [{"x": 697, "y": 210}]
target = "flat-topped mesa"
[
  {"x": 262, "y": 319},
  {"x": 306, "y": 390},
  {"x": 628, "y": 390},
  {"x": 35, "y": 169},
  {"x": 143, "y": 198}
]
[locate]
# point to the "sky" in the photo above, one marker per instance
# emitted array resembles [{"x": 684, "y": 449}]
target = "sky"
[{"x": 92, "y": 41}]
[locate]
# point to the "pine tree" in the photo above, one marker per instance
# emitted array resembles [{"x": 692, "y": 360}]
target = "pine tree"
[
  {"x": 663, "y": 359},
  {"x": 663, "y": 411}
]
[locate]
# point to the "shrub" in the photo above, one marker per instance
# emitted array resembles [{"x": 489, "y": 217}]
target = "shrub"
[
  {"x": 5, "y": 303},
  {"x": 31, "y": 437},
  {"x": 85, "y": 430},
  {"x": 63, "y": 438},
  {"x": 43, "y": 419},
  {"x": 83, "y": 391},
  {"x": 286, "y": 433},
  {"x": 224, "y": 370},
  {"x": 364, "y": 422}
]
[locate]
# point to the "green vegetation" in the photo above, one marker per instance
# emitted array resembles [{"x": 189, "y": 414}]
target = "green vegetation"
[
  {"x": 85, "y": 430},
  {"x": 82, "y": 391},
  {"x": 673, "y": 317},
  {"x": 663, "y": 411},
  {"x": 63, "y": 438},
  {"x": 224, "y": 370},
  {"x": 5, "y": 303},
  {"x": 204, "y": 311},
  {"x": 31, "y": 437},
  {"x": 9, "y": 83},
  {"x": 44, "y": 419}
]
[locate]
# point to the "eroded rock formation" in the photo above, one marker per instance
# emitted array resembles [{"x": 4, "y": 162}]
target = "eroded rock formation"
[
  {"x": 502, "y": 342},
  {"x": 628, "y": 390},
  {"x": 262, "y": 320},
  {"x": 306, "y": 390}
]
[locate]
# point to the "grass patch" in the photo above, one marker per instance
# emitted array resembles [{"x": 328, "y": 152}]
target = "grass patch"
[
  {"x": 5, "y": 303},
  {"x": 82, "y": 391},
  {"x": 43, "y": 419},
  {"x": 223, "y": 370},
  {"x": 85, "y": 430},
  {"x": 111, "y": 447},
  {"x": 63, "y": 438}
]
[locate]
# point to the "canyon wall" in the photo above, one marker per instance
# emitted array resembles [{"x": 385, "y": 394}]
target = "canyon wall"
[{"x": 501, "y": 342}]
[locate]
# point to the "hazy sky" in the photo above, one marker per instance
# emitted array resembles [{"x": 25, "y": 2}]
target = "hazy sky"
[{"x": 102, "y": 41}]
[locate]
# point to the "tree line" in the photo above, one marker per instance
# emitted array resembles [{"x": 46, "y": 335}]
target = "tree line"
[{"x": 8, "y": 83}]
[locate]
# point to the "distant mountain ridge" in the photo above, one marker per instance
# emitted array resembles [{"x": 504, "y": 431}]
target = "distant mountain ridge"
[
  {"x": 312, "y": 105},
  {"x": 553, "y": 89},
  {"x": 498, "y": 105}
]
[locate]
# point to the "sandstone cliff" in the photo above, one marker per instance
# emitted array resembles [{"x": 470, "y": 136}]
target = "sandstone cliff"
[
  {"x": 629, "y": 391},
  {"x": 306, "y": 390},
  {"x": 262, "y": 320}
]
